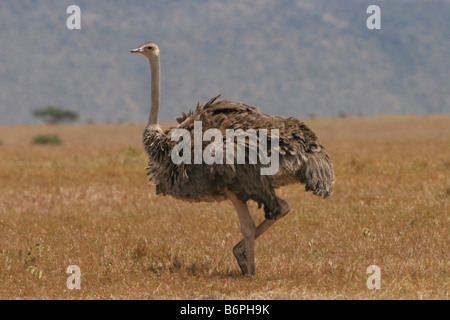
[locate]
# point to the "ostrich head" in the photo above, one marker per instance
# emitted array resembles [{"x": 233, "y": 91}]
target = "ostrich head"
[{"x": 149, "y": 49}]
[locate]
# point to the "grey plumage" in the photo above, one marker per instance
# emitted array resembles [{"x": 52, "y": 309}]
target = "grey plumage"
[{"x": 302, "y": 159}]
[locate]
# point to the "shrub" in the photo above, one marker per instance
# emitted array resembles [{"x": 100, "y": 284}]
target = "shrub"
[
  {"x": 53, "y": 114},
  {"x": 47, "y": 139}
]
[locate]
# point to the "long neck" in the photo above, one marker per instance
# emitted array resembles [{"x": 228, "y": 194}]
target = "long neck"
[{"x": 155, "y": 90}]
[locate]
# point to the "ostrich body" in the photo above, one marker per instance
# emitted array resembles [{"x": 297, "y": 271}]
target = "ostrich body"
[{"x": 301, "y": 160}]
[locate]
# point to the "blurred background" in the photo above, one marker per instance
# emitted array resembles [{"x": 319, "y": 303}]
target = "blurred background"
[{"x": 303, "y": 58}]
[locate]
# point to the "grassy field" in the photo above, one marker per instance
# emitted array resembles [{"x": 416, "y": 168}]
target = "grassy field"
[{"x": 87, "y": 202}]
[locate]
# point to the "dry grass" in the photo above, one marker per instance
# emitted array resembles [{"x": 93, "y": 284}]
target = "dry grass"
[{"x": 87, "y": 202}]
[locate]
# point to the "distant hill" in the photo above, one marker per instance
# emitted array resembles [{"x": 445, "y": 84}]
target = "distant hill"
[{"x": 297, "y": 58}]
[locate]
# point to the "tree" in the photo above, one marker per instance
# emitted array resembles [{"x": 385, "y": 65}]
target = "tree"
[{"x": 54, "y": 114}]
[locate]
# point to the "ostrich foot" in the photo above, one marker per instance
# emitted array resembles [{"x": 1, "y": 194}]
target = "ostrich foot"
[
  {"x": 275, "y": 215},
  {"x": 285, "y": 207},
  {"x": 239, "y": 249},
  {"x": 239, "y": 253}
]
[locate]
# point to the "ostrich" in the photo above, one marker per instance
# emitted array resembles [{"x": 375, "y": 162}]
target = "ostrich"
[{"x": 302, "y": 159}]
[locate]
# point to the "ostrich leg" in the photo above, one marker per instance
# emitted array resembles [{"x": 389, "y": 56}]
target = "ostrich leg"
[
  {"x": 239, "y": 250},
  {"x": 247, "y": 260}
]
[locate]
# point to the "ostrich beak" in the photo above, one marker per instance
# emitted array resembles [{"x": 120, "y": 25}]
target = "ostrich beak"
[{"x": 137, "y": 50}]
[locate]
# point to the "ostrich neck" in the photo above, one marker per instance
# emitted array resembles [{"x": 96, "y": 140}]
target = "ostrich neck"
[{"x": 155, "y": 90}]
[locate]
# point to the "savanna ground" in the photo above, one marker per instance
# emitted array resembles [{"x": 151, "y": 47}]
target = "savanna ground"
[{"x": 87, "y": 203}]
